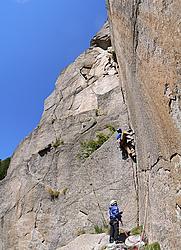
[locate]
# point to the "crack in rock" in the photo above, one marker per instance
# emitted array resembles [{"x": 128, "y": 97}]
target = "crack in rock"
[{"x": 154, "y": 165}]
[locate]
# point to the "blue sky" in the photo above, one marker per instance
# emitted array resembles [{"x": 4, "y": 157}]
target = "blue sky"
[{"x": 38, "y": 38}]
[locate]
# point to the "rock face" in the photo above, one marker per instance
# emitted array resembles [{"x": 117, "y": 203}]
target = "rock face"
[
  {"x": 87, "y": 99},
  {"x": 146, "y": 38},
  {"x": 87, "y": 242},
  {"x": 52, "y": 193}
]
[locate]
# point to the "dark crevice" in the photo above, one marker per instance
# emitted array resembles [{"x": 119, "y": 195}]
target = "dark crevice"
[
  {"x": 165, "y": 169},
  {"x": 36, "y": 215},
  {"x": 174, "y": 155},
  {"x": 158, "y": 159},
  {"x": 85, "y": 71},
  {"x": 29, "y": 211},
  {"x": 86, "y": 127},
  {"x": 83, "y": 212},
  {"x": 78, "y": 90},
  {"x": 122, "y": 92},
  {"x": 154, "y": 164},
  {"x": 135, "y": 31},
  {"x": 45, "y": 150},
  {"x": 102, "y": 39},
  {"x": 2, "y": 222},
  {"x": 135, "y": 13},
  {"x": 171, "y": 99},
  {"x": 103, "y": 42},
  {"x": 114, "y": 57},
  {"x": 50, "y": 107}
]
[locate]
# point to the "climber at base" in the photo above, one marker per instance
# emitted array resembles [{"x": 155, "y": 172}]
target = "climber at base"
[
  {"x": 115, "y": 216},
  {"x": 124, "y": 145}
]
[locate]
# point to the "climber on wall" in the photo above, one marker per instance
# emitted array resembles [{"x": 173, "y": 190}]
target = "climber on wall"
[
  {"x": 115, "y": 216},
  {"x": 123, "y": 138}
]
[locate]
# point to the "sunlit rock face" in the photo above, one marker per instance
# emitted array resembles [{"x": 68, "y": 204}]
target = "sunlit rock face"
[
  {"x": 87, "y": 99},
  {"x": 129, "y": 78},
  {"x": 146, "y": 38}
]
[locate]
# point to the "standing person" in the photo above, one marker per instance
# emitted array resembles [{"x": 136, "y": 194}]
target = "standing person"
[{"x": 115, "y": 217}]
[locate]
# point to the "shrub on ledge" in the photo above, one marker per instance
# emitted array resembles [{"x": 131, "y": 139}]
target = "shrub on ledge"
[
  {"x": 88, "y": 147},
  {"x": 54, "y": 194},
  {"x": 153, "y": 246}
]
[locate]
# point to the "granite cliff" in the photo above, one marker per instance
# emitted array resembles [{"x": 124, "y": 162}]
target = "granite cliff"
[
  {"x": 129, "y": 77},
  {"x": 87, "y": 103}
]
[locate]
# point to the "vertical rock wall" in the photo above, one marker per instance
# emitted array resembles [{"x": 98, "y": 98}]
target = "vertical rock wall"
[{"x": 147, "y": 40}]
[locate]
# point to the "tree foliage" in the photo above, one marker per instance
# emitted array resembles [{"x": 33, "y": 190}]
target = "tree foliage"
[{"x": 4, "y": 164}]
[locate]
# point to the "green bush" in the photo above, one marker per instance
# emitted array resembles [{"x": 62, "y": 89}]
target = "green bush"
[
  {"x": 88, "y": 147},
  {"x": 153, "y": 246},
  {"x": 4, "y": 164},
  {"x": 64, "y": 191},
  {"x": 136, "y": 230},
  {"x": 111, "y": 128},
  {"x": 57, "y": 143},
  {"x": 98, "y": 230},
  {"x": 101, "y": 229},
  {"x": 101, "y": 138},
  {"x": 54, "y": 194}
]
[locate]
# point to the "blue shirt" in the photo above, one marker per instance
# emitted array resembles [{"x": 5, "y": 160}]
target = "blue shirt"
[
  {"x": 118, "y": 136},
  {"x": 113, "y": 212}
]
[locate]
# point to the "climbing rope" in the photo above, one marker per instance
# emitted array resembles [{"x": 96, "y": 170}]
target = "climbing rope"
[
  {"x": 147, "y": 202},
  {"x": 128, "y": 221}
]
